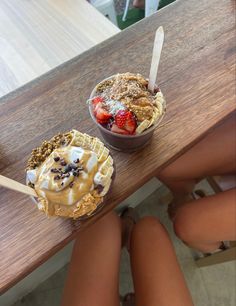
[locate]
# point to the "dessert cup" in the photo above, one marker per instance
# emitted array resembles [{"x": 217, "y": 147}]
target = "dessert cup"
[
  {"x": 72, "y": 174},
  {"x": 125, "y": 143}
]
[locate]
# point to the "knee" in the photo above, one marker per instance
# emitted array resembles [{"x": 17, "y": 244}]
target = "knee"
[
  {"x": 168, "y": 173},
  {"x": 147, "y": 224},
  {"x": 111, "y": 223},
  {"x": 164, "y": 174},
  {"x": 184, "y": 226},
  {"x": 108, "y": 227},
  {"x": 148, "y": 221}
]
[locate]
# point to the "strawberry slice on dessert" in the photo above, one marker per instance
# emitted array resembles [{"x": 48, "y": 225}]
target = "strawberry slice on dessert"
[
  {"x": 102, "y": 114},
  {"x": 97, "y": 103},
  {"x": 125, "y": 121},
  {"x": 96, "y": 100},
  {"x": 116, "y": 129}
]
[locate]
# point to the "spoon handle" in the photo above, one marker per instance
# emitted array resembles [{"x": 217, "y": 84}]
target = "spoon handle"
[
  {"x": 16, "y": 186},
  {"x": 156, "y": 54}
]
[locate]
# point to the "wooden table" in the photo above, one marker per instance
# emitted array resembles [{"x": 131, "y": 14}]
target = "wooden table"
[{"x": 196, "y": 76}]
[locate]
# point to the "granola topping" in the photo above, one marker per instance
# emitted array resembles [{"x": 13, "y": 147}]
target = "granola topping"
[
  {"x": 127, "y": 91},
  {"x": 39, "y": 154}
]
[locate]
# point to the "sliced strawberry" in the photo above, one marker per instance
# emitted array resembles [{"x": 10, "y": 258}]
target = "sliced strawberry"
[
  {"x": 96, "y": 107},
  {"x": 130, "y": 125},
  {"x": 116, "y": 129},
  {"x": 102, "y": 115},
  {"x": 120, "y": 118},
  {"x": 96, "y": 100},
  {"x": 125, "y": 119},
  {"x": 100, "y": 112}
]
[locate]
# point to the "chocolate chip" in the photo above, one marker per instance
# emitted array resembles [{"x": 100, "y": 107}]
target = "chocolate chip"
[
  {"x": 99, "y": 188},
  {"x": 63, "y": 163},
  {"x": 57, "y": 177},
  {"x": 71, "y": 184},
  {"x": 76, "y": 161},
  {"x": 73, "y": 166},
  {"x": 56, "y": 159},
  {"x": 31, "y": 185},
  {"x": 54, "y": 170},
  {"x": 67, "y": 169},
  {"x": 62, "y": 183},
  {"x": 76, "y": 173}
]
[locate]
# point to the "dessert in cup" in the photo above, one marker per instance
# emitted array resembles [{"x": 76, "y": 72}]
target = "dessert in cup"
[
  {"x": 71, "y": 174},
  {"x": 125, "y": 111}
]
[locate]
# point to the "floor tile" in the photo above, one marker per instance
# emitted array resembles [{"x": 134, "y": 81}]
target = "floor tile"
[
  {"x": 126, "y": 283},
  {"x": 220, "y": 282},
  {"x": 194, "y": 282}
]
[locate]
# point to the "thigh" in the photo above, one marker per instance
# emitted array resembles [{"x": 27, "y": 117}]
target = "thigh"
[
  {"x": 93, "y": 277},
  {"x": 157, "y": 277},
  {"x": 214, "y": 155},
  {"x": 208, "y": 220}
]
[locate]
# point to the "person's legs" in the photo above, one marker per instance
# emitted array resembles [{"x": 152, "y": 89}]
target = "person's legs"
[
  {"x": 157, "y": 277},
  {"x": 93, "y": 276},
  {"x": 204, "y": 223},
  {"x": 214, "y": 155}
]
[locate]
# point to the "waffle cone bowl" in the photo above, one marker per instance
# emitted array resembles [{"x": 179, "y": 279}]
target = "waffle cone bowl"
[{"x": 71, "y": 174}]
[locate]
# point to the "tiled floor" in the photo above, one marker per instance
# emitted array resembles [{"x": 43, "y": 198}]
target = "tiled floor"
[{"x": 209, "y": 286}]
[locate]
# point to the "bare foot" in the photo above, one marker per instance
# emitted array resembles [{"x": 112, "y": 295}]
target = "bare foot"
[{"x": 139, "y": 4}]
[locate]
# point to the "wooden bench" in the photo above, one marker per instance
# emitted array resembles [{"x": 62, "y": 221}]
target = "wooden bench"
[{"x": 36, "y": 36}]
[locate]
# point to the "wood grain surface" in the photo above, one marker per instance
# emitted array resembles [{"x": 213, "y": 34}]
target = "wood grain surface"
[
  {"x": 36, "y": 36},
  {"x": 196, "y": 75}
]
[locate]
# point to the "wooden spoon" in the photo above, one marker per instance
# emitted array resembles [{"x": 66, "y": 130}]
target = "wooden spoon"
[
  {"x": 14, "y": 185},
  {"x": 156, "y": 54}
]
